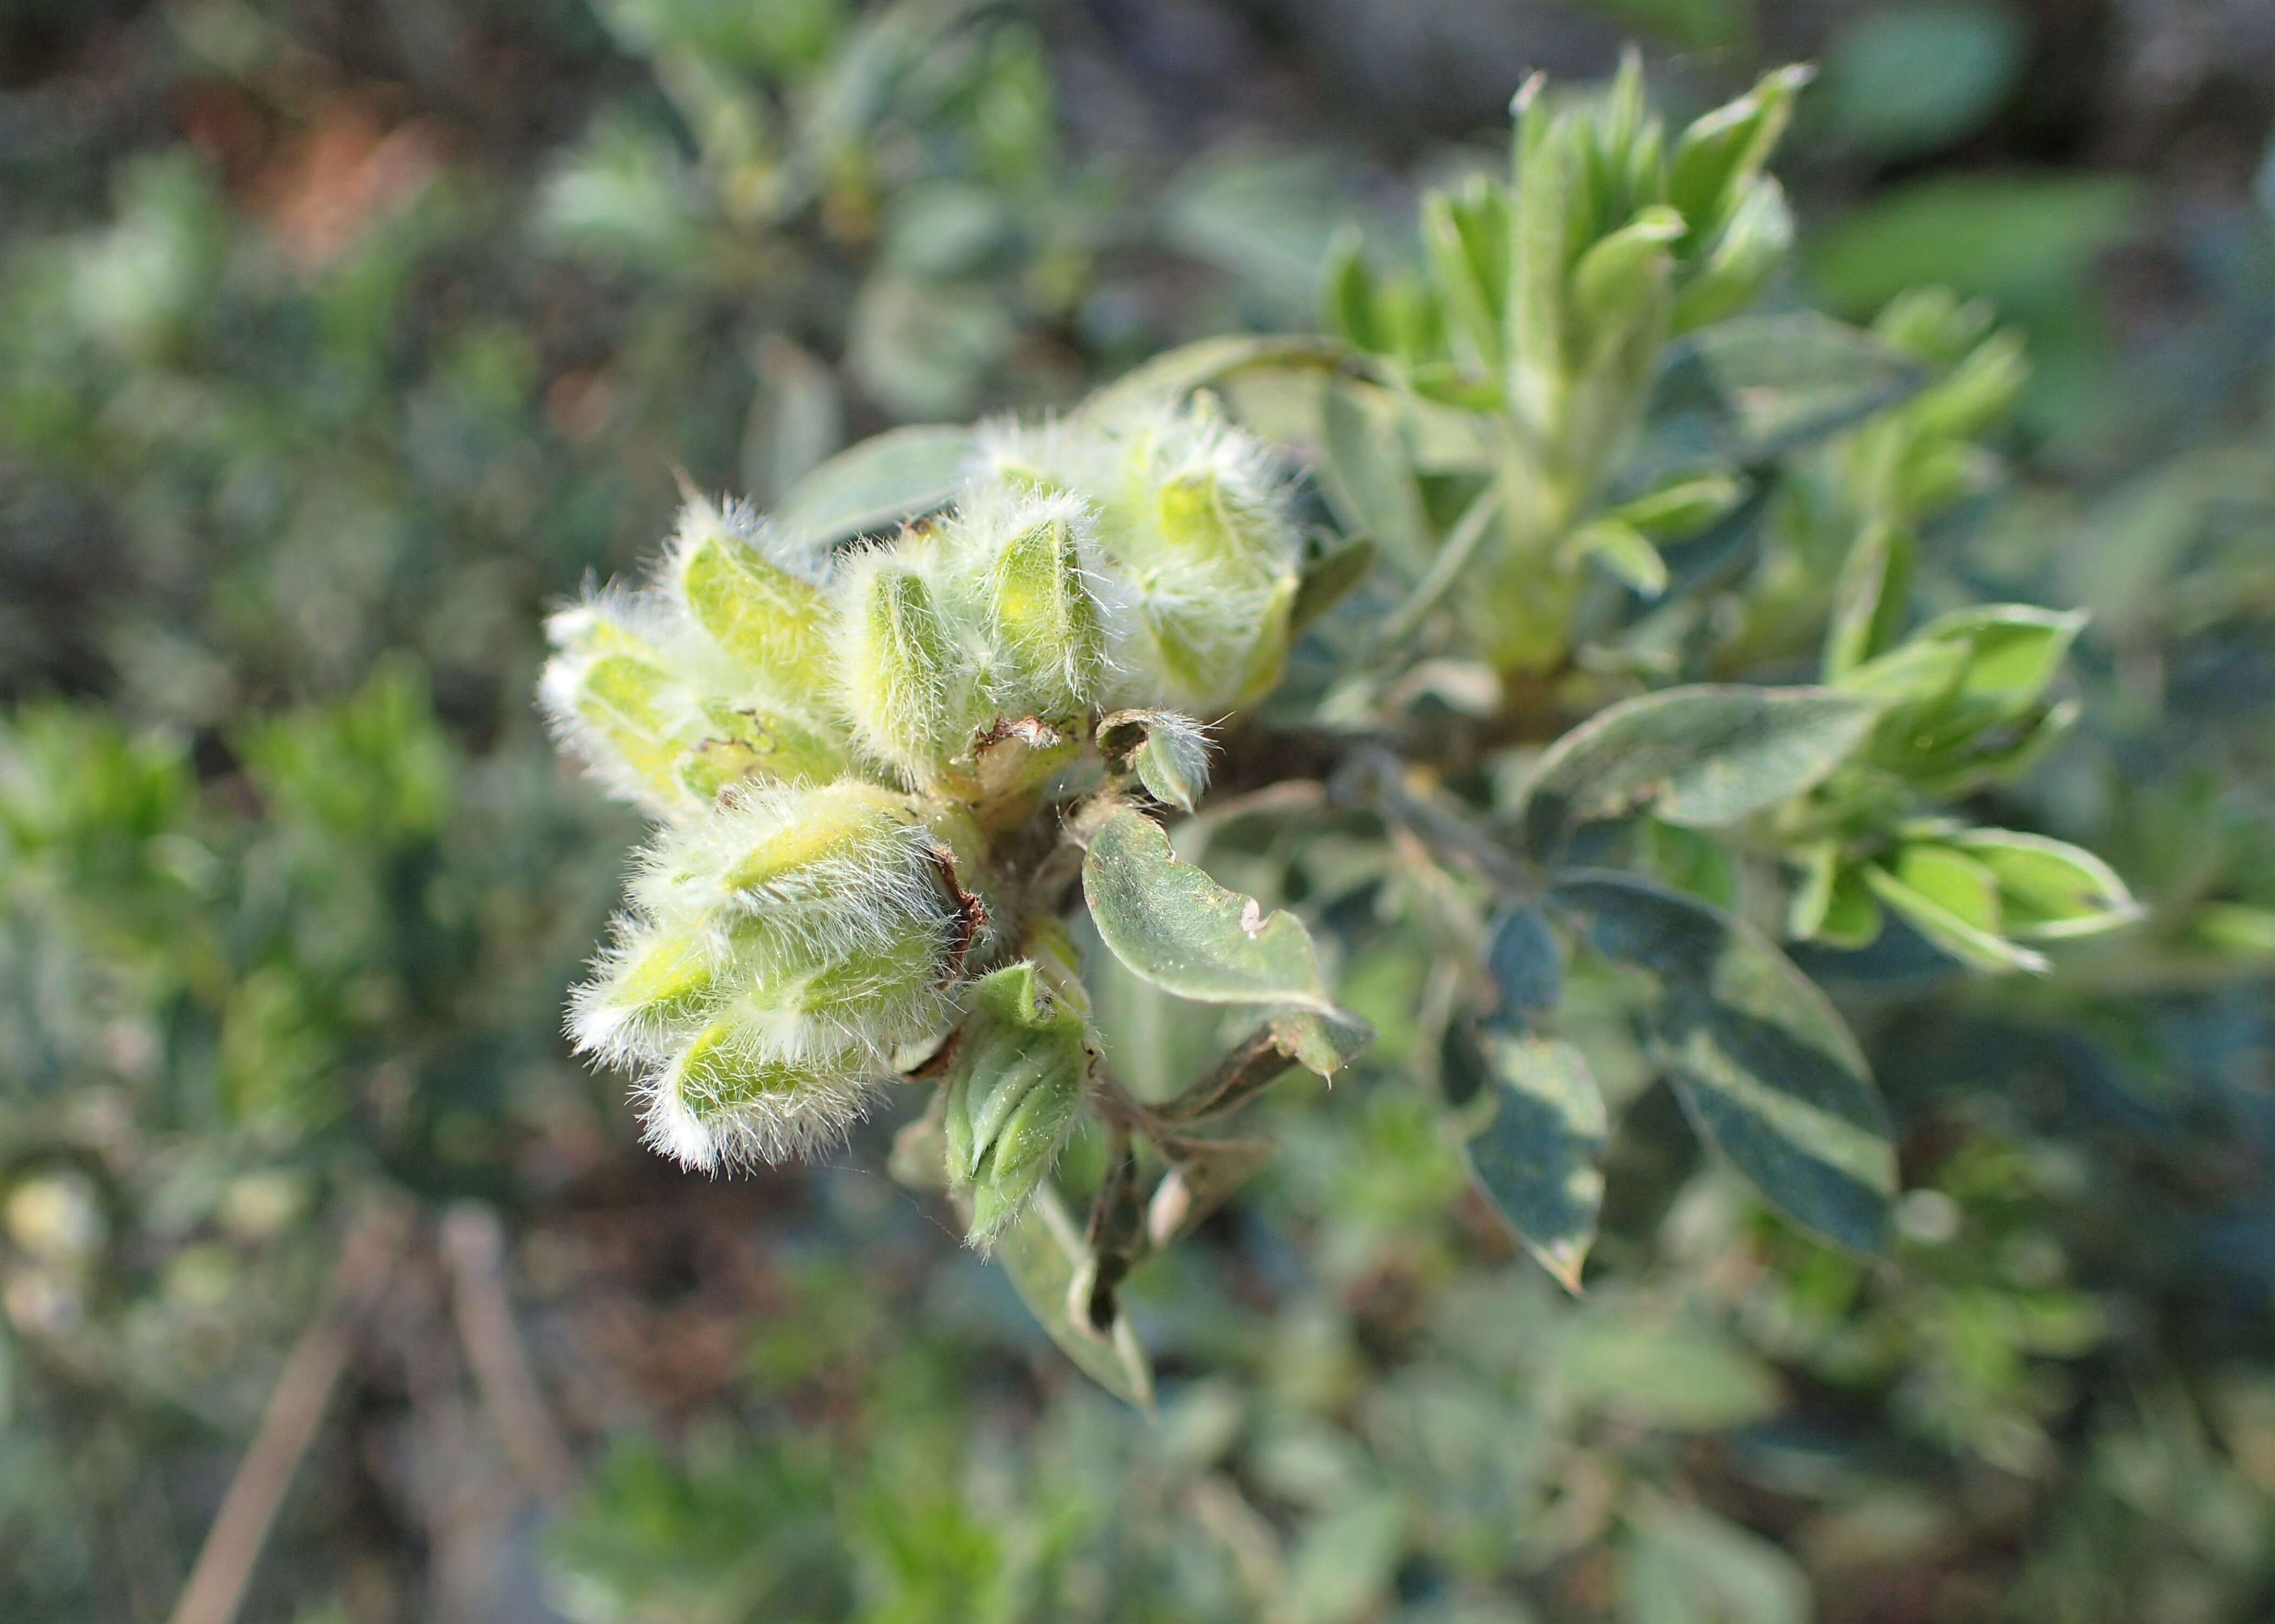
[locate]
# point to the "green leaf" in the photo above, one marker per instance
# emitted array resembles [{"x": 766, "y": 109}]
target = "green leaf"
[
  {"x": 2049, "y": 889},
  {"x": 1371, "y": 474},
  {"x": 871, "y": 486},
  {"x": 1042, "y": 1252},
  {"x": 1778, "y": 382},
  {"x": 1762, "y": 1062},
  {"x": 1175, "y": 927},
  {"x": 1721, "y": 150},
  {"x": 1329, "y": 578},
  {"x": 1541, "y": 1158},
  {"x": 2013, "y": 650},
  {"x": 1698, "y": 756},
  {"x": 1684, "y": 1565},
  {"x": 1347, "y": 298},
  {"x": 1623, "y": 550},
  {"x": 1544, "y": 163},
  {"x": 1948, "y": 911},
  {"x": 1178, "y": 373},
  {"x": 1869, "y": 603},
  {"x": 1527, "y": 968}
]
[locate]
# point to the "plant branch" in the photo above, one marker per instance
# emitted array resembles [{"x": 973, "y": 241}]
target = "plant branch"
[{"x": 295, "y": 1408}]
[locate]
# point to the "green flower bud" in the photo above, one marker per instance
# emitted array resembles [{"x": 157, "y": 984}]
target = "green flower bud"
[
  {"x": 779, "y": 950},
  {"x": 722, "y": 1103},
  {"x": 1015, "y": 1095},
  {"x": 1168, "y": 752},
  {"x": 762, "y": 616},
  {"x": 1020, "y": 568},
  {"x": 626, "y": 691},
  {"x": 905, "y": 681}
]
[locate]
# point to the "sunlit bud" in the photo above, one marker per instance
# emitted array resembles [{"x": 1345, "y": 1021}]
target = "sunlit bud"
[
  {"x": 625, "y": 692},
  {"x": 608, "y": 695},
  {"x": 903, "y": 679},
  {"x": 762, "y": 616},
  {"x": 721, "y": 1103},
  {"x": 839, "y": 864},
  {"x": 650, "y": 988},
  {"x": 1044, "y": 623}
]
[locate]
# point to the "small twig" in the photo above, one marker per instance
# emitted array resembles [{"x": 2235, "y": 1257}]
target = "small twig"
[
  {"x": 1116, "y": 1231},
  {"x": 1375, "y": 775},
  {"x": 475, "y": 1243},
  {"x": 1245, "y": 1072},
  {"x": 1461, "y": 545},
  {"x": 288, "y": 1426}
]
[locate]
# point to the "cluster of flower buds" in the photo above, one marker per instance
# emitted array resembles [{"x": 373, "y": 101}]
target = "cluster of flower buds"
[{"x": 847, "y": 747}]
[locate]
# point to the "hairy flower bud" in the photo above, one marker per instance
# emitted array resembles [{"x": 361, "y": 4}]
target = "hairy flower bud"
[
  {"x": 760, "y": 614},
  {"x": 626, "y": 691},
  {"x": 903, "y": 679},
  {"x": 1015, "y": 1095},
  {"x": 779, "y": 951},
  {"x": 1017, "y": 571},
  {"x": 1194, "y": 528}
]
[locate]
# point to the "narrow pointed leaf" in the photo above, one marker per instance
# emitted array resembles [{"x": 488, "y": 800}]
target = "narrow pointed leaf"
[
  {"x": 1541, "y": 1158},
  {"x": 1042, "y": 1252},
  {"x": 1698, "y": 756},
  {"x": 873, "y": 486},
  {"x": 1762, "y": 1062}
]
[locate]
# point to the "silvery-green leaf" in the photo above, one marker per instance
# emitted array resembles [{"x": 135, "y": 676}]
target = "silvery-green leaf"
[
  {"x": 1042, "y": 1252},
  {"x": 1173, "y": 926},
  {"x": 1761, "y": 1060},
  {"x": 873, "y": 486},
  {"x": 1696, "y": 756},
  {"x": 1771, "y": 382},
  {"x": 1541, "y": 1158},
  {"x": 1526, "y": 965},
  {"x": 1178, "y": 373}
]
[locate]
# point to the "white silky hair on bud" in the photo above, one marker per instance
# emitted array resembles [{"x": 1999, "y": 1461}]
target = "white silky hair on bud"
[
  {"x": 906, "y": 682},
  {"x": 806, "y": 1116},
  {"x": 604, "y": 623},
  {"x": 990, "y": 514},
  {"x": 847, "y": 862},
  {"x": 1213, "y": 609}
]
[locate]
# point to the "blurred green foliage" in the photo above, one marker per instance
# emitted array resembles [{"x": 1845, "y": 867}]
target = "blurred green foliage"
[{"x": 338, "y": 342}]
